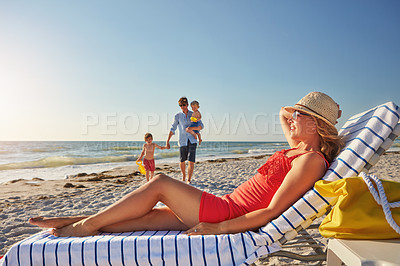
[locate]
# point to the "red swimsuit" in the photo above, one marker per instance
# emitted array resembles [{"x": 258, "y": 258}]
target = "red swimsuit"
[{"x": 254, "y": 194}]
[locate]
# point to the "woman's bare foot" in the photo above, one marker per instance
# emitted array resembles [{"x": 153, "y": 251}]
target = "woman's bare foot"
[
  {"x": 80, "y": 228},
  {"x": 57, "y": 222}
]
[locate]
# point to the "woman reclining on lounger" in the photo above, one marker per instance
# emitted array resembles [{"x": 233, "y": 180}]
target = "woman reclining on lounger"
[{"x": 281, "y": 181}]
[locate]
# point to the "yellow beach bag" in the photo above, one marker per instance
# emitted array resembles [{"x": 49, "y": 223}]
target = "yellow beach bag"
[{"x": 356, "y": 214}]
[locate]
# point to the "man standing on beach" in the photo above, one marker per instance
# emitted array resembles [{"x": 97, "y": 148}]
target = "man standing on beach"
[{"x": 187, "y": 143}]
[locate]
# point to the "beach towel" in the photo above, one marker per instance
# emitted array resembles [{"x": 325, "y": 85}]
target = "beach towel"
[{"x": 135, "y": 248}]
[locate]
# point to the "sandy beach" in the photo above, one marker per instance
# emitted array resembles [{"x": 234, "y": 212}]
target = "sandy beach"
[{"x": 88, "y": 193}]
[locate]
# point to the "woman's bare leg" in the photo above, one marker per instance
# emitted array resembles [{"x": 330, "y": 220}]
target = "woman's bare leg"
[
  {"x": 55, "y": 222},
  {"x": 157, "y": 219},
  {"x": 183, "y": 200}
]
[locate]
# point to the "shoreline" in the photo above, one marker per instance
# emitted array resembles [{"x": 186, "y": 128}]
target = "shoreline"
[
  {"x": 117, "y": 175},
  {"x": 86, "y": 193},
  {"x": 63, "y": 172},
  {"x": 60, "y": 159},
  {"x": 55, "y": 160}
]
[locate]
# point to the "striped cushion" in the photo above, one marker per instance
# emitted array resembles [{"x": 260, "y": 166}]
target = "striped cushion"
[
  {"x": 364, "y": 134},
  {"x": 136, "y": 248}
]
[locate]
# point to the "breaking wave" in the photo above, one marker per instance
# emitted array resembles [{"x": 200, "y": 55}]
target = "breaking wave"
[{"x": 56, "y": 161}]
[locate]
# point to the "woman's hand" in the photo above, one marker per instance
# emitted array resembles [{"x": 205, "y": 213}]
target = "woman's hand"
[
  {"x": 285, "y": 117},
  {"x": 205, "y": 229},
  {"x": 285, "y": 114}
]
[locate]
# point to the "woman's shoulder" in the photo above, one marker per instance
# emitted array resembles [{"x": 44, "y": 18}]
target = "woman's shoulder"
[
  {"x": 312, "y": 159},
  {"x": 313, "y": 155}
]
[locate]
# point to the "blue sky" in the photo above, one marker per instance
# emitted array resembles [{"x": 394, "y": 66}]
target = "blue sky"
[{"x": 113, "y": 70}]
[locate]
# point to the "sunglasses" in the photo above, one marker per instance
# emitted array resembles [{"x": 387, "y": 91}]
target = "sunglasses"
[
  {"x": 182, "y": 105},
  {"x": 296, "y": 114}
]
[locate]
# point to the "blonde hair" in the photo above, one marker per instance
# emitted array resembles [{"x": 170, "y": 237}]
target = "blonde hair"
[
  {"x": 195, "y": 103},
  {"x": 330, "y": 142}
]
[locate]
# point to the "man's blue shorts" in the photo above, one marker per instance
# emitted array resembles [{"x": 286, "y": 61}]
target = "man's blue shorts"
[{"x": 188, "y": 151}]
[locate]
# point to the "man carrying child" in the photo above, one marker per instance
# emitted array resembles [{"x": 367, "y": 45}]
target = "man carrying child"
[{"x": 187, "y": 142}]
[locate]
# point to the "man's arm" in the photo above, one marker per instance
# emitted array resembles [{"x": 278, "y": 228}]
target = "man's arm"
[
  {"x": 174, "y": 126},
  {"x": 200, "y": 127},
  {"x": 169, "y": 137}
]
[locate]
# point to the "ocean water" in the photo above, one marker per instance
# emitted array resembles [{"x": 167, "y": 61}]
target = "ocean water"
[{"x": 58, "y": 159}]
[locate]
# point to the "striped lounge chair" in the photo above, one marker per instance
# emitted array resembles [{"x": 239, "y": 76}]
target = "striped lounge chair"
[{"x": 367, "y": 135}]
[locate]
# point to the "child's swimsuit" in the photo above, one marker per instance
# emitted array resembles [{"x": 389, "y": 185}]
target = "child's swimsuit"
[
  {"x": 149, "y": 165},
  {"x": 195, "y": 124},
  {"x": 254, "y": 194}
]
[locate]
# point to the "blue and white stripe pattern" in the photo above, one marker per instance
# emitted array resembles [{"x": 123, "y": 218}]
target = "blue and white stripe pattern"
[
  {"x": 364, "y": 134},
  {"x": 135, "y": 248}
]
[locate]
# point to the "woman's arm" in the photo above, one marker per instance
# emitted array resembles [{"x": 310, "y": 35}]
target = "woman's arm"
[
  {"x": 283, "y": 117},
  {"x": 306, "y": 170}
]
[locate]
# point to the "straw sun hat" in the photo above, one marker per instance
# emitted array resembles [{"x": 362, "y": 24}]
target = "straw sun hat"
[{"x": 319, "y": 105}]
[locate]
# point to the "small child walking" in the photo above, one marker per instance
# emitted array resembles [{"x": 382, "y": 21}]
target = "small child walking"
[
  {"x": 196, "y": 117},
  {"x": 148, "y": 155}
]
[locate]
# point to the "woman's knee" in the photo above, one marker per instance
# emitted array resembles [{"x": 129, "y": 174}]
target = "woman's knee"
[
  {"x": 159, "y": 183},
  {"x": 160, "y": 179}
]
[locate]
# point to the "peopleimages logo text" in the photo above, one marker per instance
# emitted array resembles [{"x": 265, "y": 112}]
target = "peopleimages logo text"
[{"x": 114, "y": 123}]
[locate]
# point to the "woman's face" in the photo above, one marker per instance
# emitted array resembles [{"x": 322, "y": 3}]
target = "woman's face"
[{"x": 302, "y": 126}]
